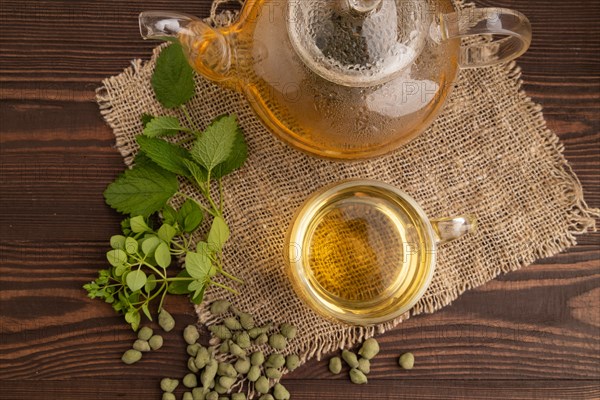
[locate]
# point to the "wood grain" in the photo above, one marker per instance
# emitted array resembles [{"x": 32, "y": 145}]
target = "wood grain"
[{"x": 531, "y": 334}]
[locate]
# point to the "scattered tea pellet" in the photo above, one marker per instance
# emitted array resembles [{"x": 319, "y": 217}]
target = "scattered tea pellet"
[
  {"x": 350, "y": 358},
  {"x": 238, "y": 396},
  {"x": 275, "y": 360},
  {"x": 220, "y": 331},
  {"x": 141, "y": 345},
  {"x": 168, "y": 396},
  {"x": 287, "y": 330},
  {"x": 253, "y": 373},
  {"x": 277, "y": 341},
  {"x": 407, "y": 361},
  {"x": 226, "y": 369},
  {"x": 191, "y": 334},
  {"x": 220, "y": 389},
  {"x": 335, "y": 365},
  {"x": 155, "y": 342},
  {"x": 243, "y": 340},
  {"x": 232, "y": 324},
  {"x": 202, "y": 357},
  {"x": 364, "y": 366},
  {"x": 199, "y": 393},
  {"x": 292, "y": 362},
  {"x": 237, "y": 350},
  {"x": 262, "y": 385},
  {"x": 226, "y": 382},
  {"x": 257, "y": 358},
  {"x": 131, "y": 356},
  {"x": 261, "y": 339},
  {"x": 357, "y": 377},
  {"x": 187, "y": 396},
  {"x": 145, "y": 333},
  {"x": 208, "y": 374},
  {"x": 190, "y": 381},
  {"x": 212, "y": 396},
  {"x": 192, "y": 349},
  {"x": 166, "y": 321},
  {"x": 280, "y": 392},
  {"x": 369, "y": 349},
  {"x": 219, "y": 307},
  {"x": 266, "y": 396},
  {"x": 273, "y": 373},
  {"x": 191, "y": 364},
  {"x": 224, "y": 347},
  {"x": 246, "y": 320},
  {"x": 242, "y": 366},
  {"x": 168, "y": 384}
]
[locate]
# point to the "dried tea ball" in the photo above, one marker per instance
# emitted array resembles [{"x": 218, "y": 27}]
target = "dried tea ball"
[
  {"x": 292, "y": 362},
  {"x": 242, "y": 366},
  {"x": 220, "y": 389},
  {"x": 131, "y": 356},
  {"x": 275, "y": 360},
  {"x": 219, "y": 307},
  {"x": 192, "y": 349},
  {"x": 191, "y": 334},
  {"x": 191, "y": 364},
  {"x": 253, "y": 373},
  {"x": 357, "y": 377},
  {"x": 266, "y": 396},
  {"x": 238, "y": 396},
  {"x": 141, "y": 345},
  {"x": 145, "y": 333},
  {"x": 166, "y": 321},
  {"x": 262, "y": 385},
  {"x": 364, "y": 366},
  {"x": 220, "y": 331},
  {"x": 237, "y": 350},
  {"x": 273, "y": 373},
  {"x": 261, "y": 339},
  {"x": 168, "y": 384},
  {"x": 187, "y": 396},
  {"x": 226, "y": 369},
  {"x": 407, "y": 361},
  {"x": 212, "y": 396},
  {"x": 232, "y": 323},
  {"x": 168, "y": 396},
  {"x": 350, "y": 358},
  {"x": 280, "y": 392},
  {"x": 287, "y": 330},
  {"x": 369, "y": 349},
  {"x": 277, "y": 341},
  {"x": 190, "y": 381},
  {"x": 202, "y": 357},
  {"x": 246, "y": 320},
  {"x": 199, "y": 393},
  {"x": 243, "y": 340},
  {"x": 226, "y": 382},
  {"x": 257, "y": 358},
  {"x": 208, "y": 374},
  {"x": 335, "y": 365}
]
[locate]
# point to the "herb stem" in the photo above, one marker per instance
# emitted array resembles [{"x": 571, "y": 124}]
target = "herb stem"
[
  {"x": 224, "y": 287},
  {"x": 232, "y": 277},
  {"x": 189, "y": 120},
  {"x": 185, "y": 196}
]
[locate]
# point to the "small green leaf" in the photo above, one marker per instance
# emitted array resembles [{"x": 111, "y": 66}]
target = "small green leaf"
[
  {"x": 169, "y": 215},
  {"x": 218, "y": 234},
  {"x": 195, "y": 285},
  {"x": 215, "y": 145},
  {"x": 117, "y": 242},
  {"x": 133, "y": 318},
  {"x": 198, "y": 295},
  {"x": 166, "y": 233},
  {"x": 167, "y": 155},
  {"x": 161, "y": 126},
  {"x": 190, "y": 216},
  {"x": 173, "y": 78},
  {"x": 136, "y": 280},
  {"x": 146, "y": 311},
  {"x": 197, "y": 265},
  {"x": 138, "y": 224},
  {"x": 142, "y": 190},
  {"x": 150, "y": 285},
  {"x": 146, "y": 118},
  {"x": 150, "y": 244},
  {"x": 236, "y": 159},
  {"x": 180, "y": 287},
  {"x": 116, "y": 257},
  {"x": 199, "y": 174},
  {"x": 131, "y": 245},
  {"x": 121, "y": 269},
  {"x": 162, "y": 254}
]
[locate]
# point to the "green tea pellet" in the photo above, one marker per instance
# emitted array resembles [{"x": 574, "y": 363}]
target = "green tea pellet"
[
  {"x": 266, "y": 396},
  {"x": 255, "y": 332},
  {"x": 335, "y": 365},
  {"x": 166, "y": 321},
  {"x": 199, "y": 393},
  {"x": 253, "y": 373},
  {"x": 220, "y": 389},
  {"x": 168, "y": 384},
  {"x": 280, "y": 392},
  {"x": 168, "y": 396},
  {"x": 226, "y": 369},
  {"x": 219, "y": 307},
  {"x": 292, "y": 362},
  {"x": 350, "y": 358},
  {"x": 364, "y": 366},
  {"x": 212, "y": 396},
  {"x": 191, "y": 334},
  {"x": 155, "y": 342},
  {"x": 145, "y": 333},
  {"x": 232, "y": 324},
  {"x": 369, "y": 349},
  {"x": 131, "y": 356},
  {"x": 237, "y": 350},
  {"x": 242, "y": 366},
  {"x": 261, "y": 339},
  {"x": 243, "y": 340},
  {"x": 141, "y": 345},
  {"x": 191, "y": 364},
  {"x": 287, "y": 330},
  {"x": 246, "y": 320},
  {"x": 357, "y": 377},
  {"x": 190, "y": 381},
  {"x": 192, "y": 349},
  {"x": 220, "y": 331},
  {"x": 277, "y": 341},
  {"x": 275, "y": 360},
  {"x": 226, "y": 382},
  {"x": 238, "y": 396},
  {"x": 202, "y": 357},
  {"x": 262, "y": 385},
  {"x": 407, "y": 361},
  {"x": 187, "y": 396},
  {"x": 257, "y": 358},
  {"x": 223, "y": 398},
  {"x": 208, "y": 374},
  {"x": 273, "y": 373},
  {"x": 224, "y": 347}
]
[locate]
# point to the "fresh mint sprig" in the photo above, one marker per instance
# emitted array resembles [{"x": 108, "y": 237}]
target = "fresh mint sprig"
[{"x": 139, "y": 260}]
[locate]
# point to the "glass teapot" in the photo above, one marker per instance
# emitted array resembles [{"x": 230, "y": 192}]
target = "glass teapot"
[{"x": 345, "y": 79}]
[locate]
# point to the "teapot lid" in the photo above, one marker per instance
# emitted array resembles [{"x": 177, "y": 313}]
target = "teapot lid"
[{"x": 358, "y": 42}]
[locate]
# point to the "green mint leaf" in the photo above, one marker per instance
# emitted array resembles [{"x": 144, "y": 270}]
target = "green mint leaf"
[
  {"x": 218, "y": 234},
  {"x": 215, "y": 145},
  {"x": 199, "y": 174},
  {"x": 136, "y": 280},
  {"x": 190, "y": 216},
  {"x": 138, "y": 224},
  {"x": 237, "y": 157},
  {"x": 150, "y": 286},
  {"x": 133, "y": 318},
  {"x": 150, "y": 244},
  {"x": 146, "y": 118},
  {"x": 146, "y": 311},
  {"x": 169, "y": 215},
  {"x": 167, "y": 155},
  {"x": 162, "y": 255},
  {"x": 166, "y": 233},
  {"x": 116, "y": 257},
  {"x": 180, "y": 287},
  {"x": 173, "y": 78},
  {"x": 198, "y": 265},
  {"x": 142, "y": 190},
  {"x": 161, "y": 126},
  {"x": 131, "y": 245},
  {"x": 198, "y": 295},
  {"x": 121, "y": 269},
  {"x": 117, "y": 242}
]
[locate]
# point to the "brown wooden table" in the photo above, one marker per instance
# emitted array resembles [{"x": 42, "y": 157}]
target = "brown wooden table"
[{"x": 530, "y": 334}]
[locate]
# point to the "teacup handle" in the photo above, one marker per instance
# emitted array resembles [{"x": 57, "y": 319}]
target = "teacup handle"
[
  {"x": 449, "y": 229},
  {"x": 513, "y": 31}
]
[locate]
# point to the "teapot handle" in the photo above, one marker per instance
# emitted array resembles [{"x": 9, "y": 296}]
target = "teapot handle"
[{"x": 511, "y": 30}]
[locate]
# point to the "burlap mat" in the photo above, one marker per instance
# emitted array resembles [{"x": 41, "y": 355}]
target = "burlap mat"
[{"x": 489, "y": 154}]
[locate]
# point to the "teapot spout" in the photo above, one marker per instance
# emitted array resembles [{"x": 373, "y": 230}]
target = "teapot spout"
[{"x": 207, "y": 50}]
